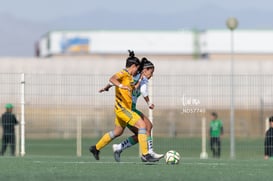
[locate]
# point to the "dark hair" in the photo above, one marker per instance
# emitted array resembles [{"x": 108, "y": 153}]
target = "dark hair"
[
  {"x": 271, "y": 119},
  {"x": 132, "y": 60},
  {"x": 145, "y": 63},
  {"x": 214, "y": 114}
]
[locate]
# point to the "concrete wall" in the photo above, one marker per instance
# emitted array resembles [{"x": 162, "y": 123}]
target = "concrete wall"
[
  {"x": 109, "y": 65},
  {"x": 59, "y": 90}
]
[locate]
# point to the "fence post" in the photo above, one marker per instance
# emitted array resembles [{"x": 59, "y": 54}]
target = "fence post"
[
  {"x": 22, "y": 114},
  {"x": 151, "y": 101},
  {"x": 203, "y": 154},
  {"x": 266, "y": 124},
  {"x": 79, "y": 137},
  {"x": 17, "y": 141}
]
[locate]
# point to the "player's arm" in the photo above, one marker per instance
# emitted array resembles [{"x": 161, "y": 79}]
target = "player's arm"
[
  {"x": 137, "y": 85},
  {"x": 222, "y": 128},
  {"x": 115, "y": 81},
  {"x": 106, "y": 88},
  {"x": 14, "y": 119},
  {"x": 151, "y": 105},
  {"x": 144, "y": 92}
]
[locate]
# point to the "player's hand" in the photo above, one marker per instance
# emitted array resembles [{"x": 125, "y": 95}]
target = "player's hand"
[
  {"x": 266, "y": 157},
  {"x": 101, "y": 90},
  {"x": 151, "y": 106},
  {"x": 104, "y": 89}
]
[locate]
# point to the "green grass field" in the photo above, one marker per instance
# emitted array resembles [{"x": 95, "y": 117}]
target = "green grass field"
[
  {"x": 38, "y": 168},
  {"x": 246, "y": 148},
  {"x": 55, "y": 160}
]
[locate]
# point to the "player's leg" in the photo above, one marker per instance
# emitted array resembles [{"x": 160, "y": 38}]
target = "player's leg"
[
  {"x": 106, "y": 139},
  {"x": 149, "y": 127},
  {"x": 12, "y": 145},
  {"x": 212, "y": 146},
  {"x": 130, "y": 141},
  {"x": 142, "y": 138},
  {"x": 218, "y": 147},
  {"x": 133, "y": 119},
  {"x": 4, "y": 144}
]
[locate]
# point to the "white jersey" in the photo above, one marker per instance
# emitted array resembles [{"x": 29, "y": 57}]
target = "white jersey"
[{"x": 142, "y": 89}]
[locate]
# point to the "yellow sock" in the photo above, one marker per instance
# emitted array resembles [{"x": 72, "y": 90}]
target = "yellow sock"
[
  {"x": 107, "y": 138},
  {"x": 142, "y": 139}
]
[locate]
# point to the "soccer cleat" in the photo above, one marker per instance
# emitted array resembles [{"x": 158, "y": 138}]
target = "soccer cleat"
[
  {"x": 155, "y": 155},
  {"x": 95, "y": 152},
  {"x": 117, "y": 152},
  {"x": 149, "y": 158}
]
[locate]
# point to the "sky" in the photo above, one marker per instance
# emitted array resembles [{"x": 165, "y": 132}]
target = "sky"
[
  {"x": 44, "y": 11},
  {"x": 26, "y": 20}
]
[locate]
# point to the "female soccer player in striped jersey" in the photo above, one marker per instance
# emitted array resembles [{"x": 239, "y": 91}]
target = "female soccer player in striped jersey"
[{"x": 141, "y": 80}]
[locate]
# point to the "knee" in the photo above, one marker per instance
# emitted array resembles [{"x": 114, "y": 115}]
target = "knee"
[
  {"x": 117, "y": 133},
  {"x": 135, "y": 132},
  {"x": 142, "y": 124},
  {"x": 149, "y": 126}
]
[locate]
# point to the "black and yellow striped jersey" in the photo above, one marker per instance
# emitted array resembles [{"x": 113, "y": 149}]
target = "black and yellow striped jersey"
[{"x": 123, "y": 96}]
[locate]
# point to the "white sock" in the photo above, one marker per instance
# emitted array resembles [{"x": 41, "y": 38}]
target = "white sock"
[
  {"x": 125, "y": 144},
  {"x": 150, "y": 145}
]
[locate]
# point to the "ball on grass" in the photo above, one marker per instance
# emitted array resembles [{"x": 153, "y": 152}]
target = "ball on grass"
[{"x": 172, "y": 157}]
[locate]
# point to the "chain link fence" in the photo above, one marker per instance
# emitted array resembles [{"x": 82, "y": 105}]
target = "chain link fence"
[{"x": 55, "y": 103}]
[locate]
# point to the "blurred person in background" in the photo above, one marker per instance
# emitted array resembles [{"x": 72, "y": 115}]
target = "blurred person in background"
[
  {"x": 216, "y": 130},
  {"x": 268, "y": 141},
  {"x": 8, "y": 123}
]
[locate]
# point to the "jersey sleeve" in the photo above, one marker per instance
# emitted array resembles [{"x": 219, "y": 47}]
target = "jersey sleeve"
[
  {"x": 144, "y": 88},
  {"x": 120, "y": 75}
]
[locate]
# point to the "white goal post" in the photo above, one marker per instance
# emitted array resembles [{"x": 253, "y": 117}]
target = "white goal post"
[
  {"x": 266, "y": 124},
  {"x": 22, "y": 122},
  {"x": 203, "y": 154},
  {"x": 79, "y": 137},
  {"x": 17, "y": 141}
]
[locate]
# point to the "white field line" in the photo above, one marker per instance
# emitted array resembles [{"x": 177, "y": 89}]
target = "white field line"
[
  {"x": 138, "y": 163},
  {"x": 86, "y": 162}
]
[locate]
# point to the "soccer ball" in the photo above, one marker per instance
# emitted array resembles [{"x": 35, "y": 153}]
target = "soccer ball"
[{"x": 172, "y": 157}]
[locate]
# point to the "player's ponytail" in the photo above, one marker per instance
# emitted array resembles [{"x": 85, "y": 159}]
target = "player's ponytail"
[
  {"x": 132, "y": 60},
  {"x": 146, "y": 64},
  {"x": 131, "y": 54}
]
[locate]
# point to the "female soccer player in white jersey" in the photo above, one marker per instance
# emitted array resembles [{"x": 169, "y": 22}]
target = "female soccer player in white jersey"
[{"x": 141, "y": 80}]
